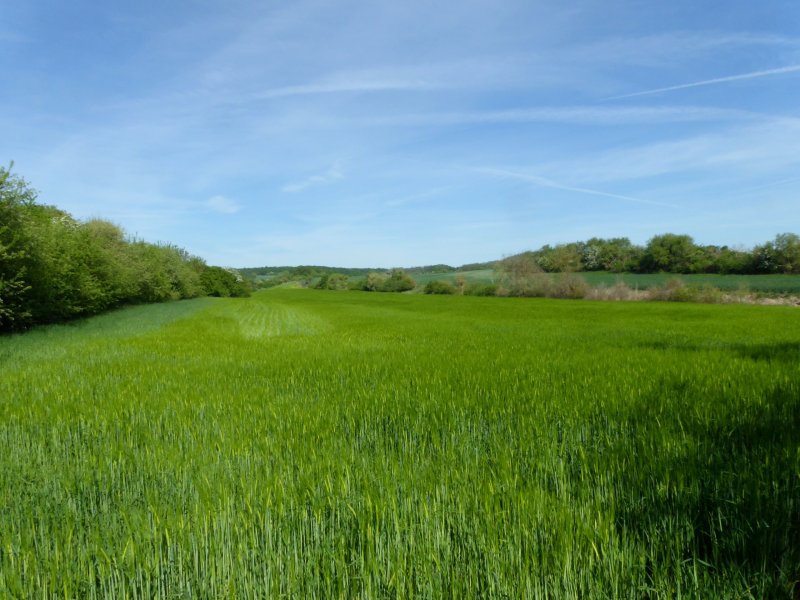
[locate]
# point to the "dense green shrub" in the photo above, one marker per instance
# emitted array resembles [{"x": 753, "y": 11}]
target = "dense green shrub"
[
  {"x": 480, "y": 289},
  {"x": 223, "y": 283},
  {"x": 439, "y": 287},
  {"x": 54, "y": 267},
  {"x": 15, "y": 197},
  {"x": 357, "y": 284},
  {"x": 396, "y": 280},
  {"x": 782, "y": 255},
  {"x": 615, "y": 255},
  {"x": 332, "y": 281}
]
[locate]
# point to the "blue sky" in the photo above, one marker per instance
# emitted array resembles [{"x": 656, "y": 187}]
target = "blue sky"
[{"x": 379, "y": 133}]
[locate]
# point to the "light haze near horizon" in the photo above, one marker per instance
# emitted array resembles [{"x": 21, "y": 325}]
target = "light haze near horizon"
[{"x": 357, "y": 133}]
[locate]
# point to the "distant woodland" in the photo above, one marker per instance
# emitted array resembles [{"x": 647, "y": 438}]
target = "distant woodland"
[
  {"x": 671, "y": 253},
  {"x": 665, "y": 253}
]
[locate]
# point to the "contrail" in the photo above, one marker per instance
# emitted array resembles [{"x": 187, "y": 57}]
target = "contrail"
[
  {"x": 751, "y": 75},
  {"x": 554, "y": 184}
]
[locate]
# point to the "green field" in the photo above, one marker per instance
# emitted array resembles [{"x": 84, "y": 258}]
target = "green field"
[
  {"x": 771, "y": 284},
  {"x": 309, "y": 444},
  {"x": 484, "y": 276},
  {"x": 780, "y": 284}
]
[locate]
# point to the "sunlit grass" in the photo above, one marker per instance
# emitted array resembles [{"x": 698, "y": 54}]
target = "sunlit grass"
[{"x": 341, "y": 445}]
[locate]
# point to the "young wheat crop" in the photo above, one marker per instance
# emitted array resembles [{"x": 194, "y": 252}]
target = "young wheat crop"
[{"x": 307, "y": 444}]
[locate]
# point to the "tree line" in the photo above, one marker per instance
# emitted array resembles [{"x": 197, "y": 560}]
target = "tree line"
[
  {"x": 54, "y": 267},
  {"x": 667, "y": 253},
  {"x": 670, "y": 253}
]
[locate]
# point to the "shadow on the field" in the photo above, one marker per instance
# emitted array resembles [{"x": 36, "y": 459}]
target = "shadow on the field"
[
  {"x": 723, "y": 489},
  {"x": 784, "y": 352},
  {"x": 780, "y": 352}
]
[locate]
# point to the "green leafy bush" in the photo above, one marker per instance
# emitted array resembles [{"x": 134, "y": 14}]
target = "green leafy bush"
[
  {"x": 397, "y": 280},
  {"x": 480, "y": 289},
  {"x": 439, "y": 287},
  {"x": 54, "y": 267},
  {"x": 332, "y": 281},
  {"x": 223, "y": 283}
]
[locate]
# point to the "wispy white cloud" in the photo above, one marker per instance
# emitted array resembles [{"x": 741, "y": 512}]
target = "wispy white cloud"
[
  {"x": 333, "y": 174},
  {"x": 771, "y": 184},
  {"x": 664, "y": 50},
  {"x": 715, "y": 81},
  {"x": 223, "y": 205},
  {"x": 581, "y": 115},
  {"x": 761, "y": 149},
  {"x": 339, "y": 87},
  {"x": 544, "y": 182}
]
